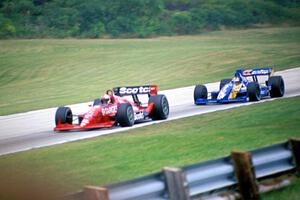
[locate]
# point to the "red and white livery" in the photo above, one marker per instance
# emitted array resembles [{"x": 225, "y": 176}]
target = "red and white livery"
[{"x": 122, "y": 107}]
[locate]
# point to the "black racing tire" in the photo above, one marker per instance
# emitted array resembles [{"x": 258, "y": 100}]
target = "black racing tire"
[
  {"x": 277, "y": 86},
  {"x": 224, "y": 82},
  {"x": 125, "y": 115},
  {"x": 63, "y": 115},
  {"x": 200, "y": 91},
  {"x": 161, "y": 107},
  {"x": 97, "y": 102},
  {"x": 253, "y": 91}
]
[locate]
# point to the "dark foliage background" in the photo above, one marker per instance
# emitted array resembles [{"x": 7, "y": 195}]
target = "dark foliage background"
[{"x": 137, "y": 18}]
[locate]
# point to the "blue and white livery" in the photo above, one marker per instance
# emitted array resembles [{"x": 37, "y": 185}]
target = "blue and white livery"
[{"x": 244, "y": 86}]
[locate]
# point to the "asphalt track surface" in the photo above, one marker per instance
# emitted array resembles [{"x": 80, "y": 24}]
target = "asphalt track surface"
[{"x": 25, "y": 131}]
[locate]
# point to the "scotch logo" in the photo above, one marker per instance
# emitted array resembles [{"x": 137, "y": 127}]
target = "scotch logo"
[{"x": 134, "y": 90}]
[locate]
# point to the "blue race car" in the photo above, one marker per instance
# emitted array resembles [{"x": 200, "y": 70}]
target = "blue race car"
[{"x": 244, "y": 86}]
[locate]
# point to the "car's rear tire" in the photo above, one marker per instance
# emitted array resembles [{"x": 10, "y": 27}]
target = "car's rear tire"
[
  {"x": 253, "y": 91},
  {"x": 224, "y": 82},
  {"x": 277, "y": 86},
  {"x": 63, "y": 115},
  {"x": 97, "y": 102},
  {"x": 161, "y": 107},
  {"x": 200, "y": 91},
  {"x": 125, "y": 115}
]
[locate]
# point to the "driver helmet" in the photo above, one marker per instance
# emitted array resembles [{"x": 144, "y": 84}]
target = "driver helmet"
[
  {"x": 236, "y": 80},
  {"x": 105, "y": 99}
]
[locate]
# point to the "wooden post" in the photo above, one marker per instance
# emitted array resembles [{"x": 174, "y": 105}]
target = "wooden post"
[
  {"x": 95, "y": 193},
  {"x": 176, "y": 183},
  {"x": 245, "y": 175},
  {"x": 295, "y": 144}
]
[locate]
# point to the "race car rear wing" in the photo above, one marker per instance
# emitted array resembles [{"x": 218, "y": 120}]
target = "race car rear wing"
[
  {"x": 134, "y": 90},
  {"x": 255, "y": 72}
]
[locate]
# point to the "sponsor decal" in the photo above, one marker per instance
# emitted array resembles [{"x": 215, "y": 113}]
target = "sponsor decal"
[
  {"x": 260, "y": 72},
  {"x": 234, "y": 91},
  {"x": 138, "y": 116},
  {"x": 222, "y": 93},
  {"x": 109, "y": 110},
  {"x": 84, "y": 122},
  {"x": 253, "y": 72},
  {"x": 247, "y": 72},
  {"x": 134, "y": 90}
]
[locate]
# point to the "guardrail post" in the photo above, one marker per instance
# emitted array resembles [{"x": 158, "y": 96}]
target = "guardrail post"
[
  {"x": 295, "y": 144},
  {"x": 176, "y": 183},
  {"x": 245, "y": 175},
  {"x": 95, "y": 193}
]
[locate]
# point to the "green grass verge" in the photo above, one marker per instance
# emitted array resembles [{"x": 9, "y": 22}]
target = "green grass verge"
[
  {"x": 129, "y": 154},
  {"x": 37, "y": 74}
]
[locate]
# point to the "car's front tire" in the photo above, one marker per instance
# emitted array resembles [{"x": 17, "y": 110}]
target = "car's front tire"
[
  {"x": 200, "y": 92},
  {"x": 125, "y": 115},
  {"x": 63, "y": 115}
]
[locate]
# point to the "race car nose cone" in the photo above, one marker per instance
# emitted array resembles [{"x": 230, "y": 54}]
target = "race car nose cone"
[
  {"x": 225, "y": 92},
  {"x": 221, "y": 95}
]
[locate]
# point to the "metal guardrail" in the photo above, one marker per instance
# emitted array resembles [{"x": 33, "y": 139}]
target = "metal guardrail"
[
  {"x": 207, "y": 176},
  {"x": 147, "y": 187},
  {"x": 273, "y": 159}
]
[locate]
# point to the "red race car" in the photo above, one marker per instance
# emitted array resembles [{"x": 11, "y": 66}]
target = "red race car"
[{"x": 122, "y": 106}]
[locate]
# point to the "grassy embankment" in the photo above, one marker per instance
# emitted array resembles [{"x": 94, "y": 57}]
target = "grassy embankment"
[{"x": 38, "y": 74}]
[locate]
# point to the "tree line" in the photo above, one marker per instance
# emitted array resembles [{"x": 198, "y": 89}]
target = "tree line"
[{"x": 137, "y": 18}]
